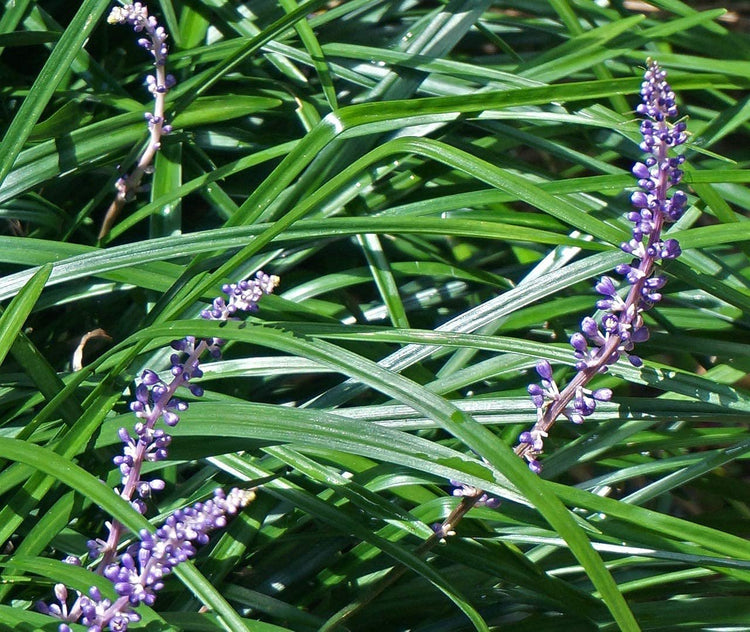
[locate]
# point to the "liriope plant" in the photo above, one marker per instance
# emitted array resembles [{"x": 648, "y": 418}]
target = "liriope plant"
[
  {"x": 395, "y": 221},
  {"x": 138, "y": 573},
  {"x": 600, "y": 344},
  {"x": 159, "y": 83}
]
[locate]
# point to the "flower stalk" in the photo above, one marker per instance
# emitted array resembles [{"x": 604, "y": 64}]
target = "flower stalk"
[
  {"x": 158, "y": 85},
  {"x": 600, "y": 344},
  {"x": 138, "y": 573}
]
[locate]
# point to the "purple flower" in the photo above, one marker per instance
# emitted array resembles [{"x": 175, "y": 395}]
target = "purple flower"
[
  {"x": 137, "y": 574},
  {"x": 484, "y": 500},
  {"x": 600, "y": 344},
  {"x": 158, "y": 84},
  {"x": 141, "y": 569}
]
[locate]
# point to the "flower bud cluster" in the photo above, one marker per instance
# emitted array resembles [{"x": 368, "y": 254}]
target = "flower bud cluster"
[
  {"x": 158, "y": 84},
  {"x": 242, "y": 296},
  {"x": 461, "y": 490},
  {"x": 141, "y": 569},
  {"x": 137, "y": 16},
  {"x": 600, "y": 344},
  {"x": 137, "y": 574}
]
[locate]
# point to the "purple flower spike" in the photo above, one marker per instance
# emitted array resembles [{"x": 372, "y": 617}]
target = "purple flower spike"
[
  {"x": 601, "y": 343},
  {"x": 137, "y": 574},
  {"x": 158, "y": 84},
  {"x": 242, "y": 296}
]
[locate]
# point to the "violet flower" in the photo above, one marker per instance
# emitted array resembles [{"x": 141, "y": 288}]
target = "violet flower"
[
  {"x": 158, "y": 85},
  {"x": 483, "y": 499},
  {"x": 155, "y": 399},
  {"x": 137, "y": 574},
  {"x": 601, "y": 344}
]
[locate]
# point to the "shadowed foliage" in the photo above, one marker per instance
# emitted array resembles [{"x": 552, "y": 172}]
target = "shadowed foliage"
[{"x": 439, "y": 186}]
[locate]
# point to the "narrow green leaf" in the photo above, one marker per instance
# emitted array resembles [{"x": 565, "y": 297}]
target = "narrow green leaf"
[
  {"x": 46, "y": 82},
  {"x": 504, "y": 463},
  {"x": 15, "y": 315}
]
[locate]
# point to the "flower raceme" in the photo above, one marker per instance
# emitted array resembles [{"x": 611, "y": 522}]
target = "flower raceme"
[
  {"x": 158, "y": 84},
  {"x": 141, "y": 569},
  {"x": 138, "y": 573},
  {"x": 600, "y": 344}
]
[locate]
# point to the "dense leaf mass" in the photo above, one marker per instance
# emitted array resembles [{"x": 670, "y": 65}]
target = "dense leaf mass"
[{"x": 445, "y": 191}]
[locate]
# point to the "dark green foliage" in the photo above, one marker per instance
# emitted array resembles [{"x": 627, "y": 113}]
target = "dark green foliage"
[{"x": 438, "y": 185}]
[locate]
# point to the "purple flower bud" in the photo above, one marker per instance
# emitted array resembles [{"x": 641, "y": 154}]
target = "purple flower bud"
[
  {"x": 179, "y": 345},
  {"x": 671, "y": 249},
  {"x": 196, "y": 390},
  {"x": 535, "y": 390},
  {"x": 578, "y": 342},
  {"x": 142, "y": 393},
  {"x": 656, "y": 282},
  {"x": 606, "y": 286},
  {"x": 573, "y": 416},
  {"x": 544, "y": 369},
  {"x": 170, "y": 418},
  {"x": 177, "y": 404},
  {"x": 489, "y": 501},
  {"x": 635, "y": 361},
  {"x": 535, "y": 466},
  {"x": 640, "y": 170},
  {"x": 149, "y": 378},
  {"x": 641, "y": 334},
  {"x": 139, "y": 505},
  {"x": 590, "y": 328},
  {"x": 639, "y": 199}
]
